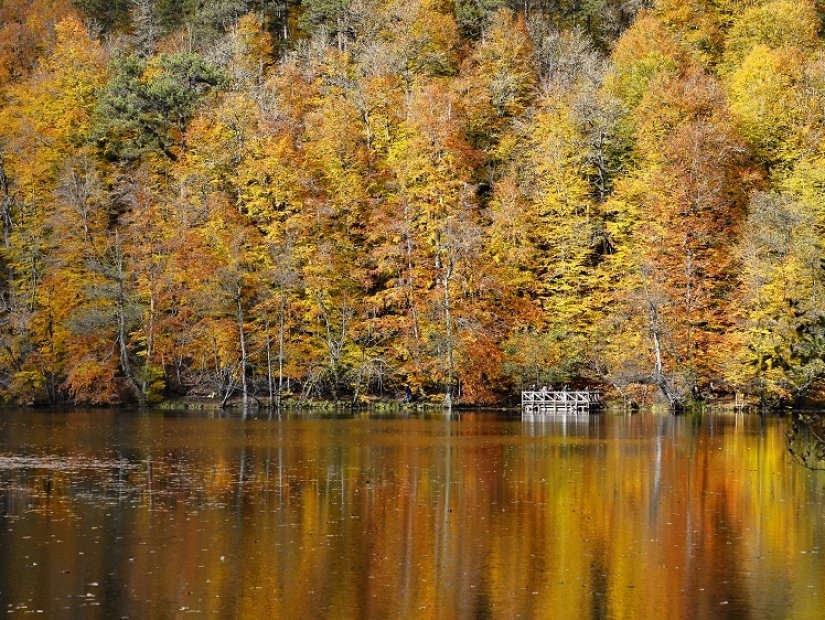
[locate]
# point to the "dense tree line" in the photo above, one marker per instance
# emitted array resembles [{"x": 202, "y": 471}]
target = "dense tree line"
[{"x": 335, "y": 198}]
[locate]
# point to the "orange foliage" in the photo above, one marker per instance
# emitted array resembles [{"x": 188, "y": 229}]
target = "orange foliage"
[{"x": 397, "y": 205}]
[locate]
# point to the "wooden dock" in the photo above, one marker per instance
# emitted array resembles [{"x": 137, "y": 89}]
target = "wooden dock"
[{"x": 559, "y": 402}]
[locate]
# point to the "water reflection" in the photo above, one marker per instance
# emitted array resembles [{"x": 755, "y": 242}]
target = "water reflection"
[
  {"x": 562, "y": 425},
  {"x": 116, "y": 514},
  {"x": 806, "y": 440}
]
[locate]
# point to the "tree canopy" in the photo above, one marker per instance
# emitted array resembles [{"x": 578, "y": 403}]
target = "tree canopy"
[{"x": 341, "y": 198}]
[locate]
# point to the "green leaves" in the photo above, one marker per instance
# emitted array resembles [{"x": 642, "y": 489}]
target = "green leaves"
[{"x": 147, "y": 103}]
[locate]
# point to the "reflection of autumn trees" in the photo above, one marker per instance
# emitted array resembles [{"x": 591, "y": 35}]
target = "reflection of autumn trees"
[
  {"x": 806, "y": 441},
  {"x": 636, "y": 516}
]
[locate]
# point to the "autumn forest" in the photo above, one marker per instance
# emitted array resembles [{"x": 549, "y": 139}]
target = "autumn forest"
[{"x": 249, "y": 201}]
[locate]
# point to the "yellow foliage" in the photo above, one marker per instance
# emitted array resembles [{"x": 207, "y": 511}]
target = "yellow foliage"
[
  {"x": 643, "y": 53},
  {"x": 776, "y": 25},
  {"x": 765, "y": 101},
  {"x": 46, "y": 116},
  {"x": 501, "y": 81}
]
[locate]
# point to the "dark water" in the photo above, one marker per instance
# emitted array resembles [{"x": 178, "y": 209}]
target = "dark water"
[{"x": 116, "y": 514}]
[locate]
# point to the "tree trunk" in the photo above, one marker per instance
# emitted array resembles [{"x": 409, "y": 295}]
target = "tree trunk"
[
  {"x": 150, "y": 343},
  {"x": 281, "y": 350},
  {"x": 448, "y": 330},
  {"x": 658, "y": 369},
  {"x": 122, "y": 331},
  {"x": 269, "y": 381},
  {"x": 242, "y": 339},
  {"x": 409, "y": 265},
  {"x": 5, "y": 205}
]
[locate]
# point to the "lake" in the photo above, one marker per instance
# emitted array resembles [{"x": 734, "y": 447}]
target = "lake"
[{"x": 127, "y": 514}]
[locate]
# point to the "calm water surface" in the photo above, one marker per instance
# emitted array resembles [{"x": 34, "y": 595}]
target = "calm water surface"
[{"x": 116, "y": 514}]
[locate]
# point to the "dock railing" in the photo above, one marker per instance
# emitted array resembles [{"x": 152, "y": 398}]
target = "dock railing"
[{"x": 565, "y": 402}]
